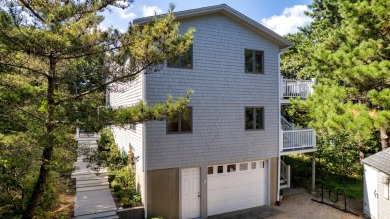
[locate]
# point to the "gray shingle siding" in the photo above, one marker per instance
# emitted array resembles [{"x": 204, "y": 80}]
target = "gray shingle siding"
[
  {"x": 222, "y": 91},
  {"x": 383, "y": 203}
]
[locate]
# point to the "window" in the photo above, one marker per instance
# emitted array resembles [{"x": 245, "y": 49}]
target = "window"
[
  {"x": 181, "y": 61},
  {"x": 180, "y": 122},
  {"x": 254, "y": 118},
  {"x": 253, "y": 165},
  {"x": 254, "y": 61},
  {"x": 243, "y": 166},
  {"x": 210, "y": 170},
  {"x": 231, "y": 168},
  {"x": 220, "y": 169}
]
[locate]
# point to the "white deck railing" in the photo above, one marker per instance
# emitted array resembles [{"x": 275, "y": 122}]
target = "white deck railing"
[
  {"x": 296, "y": 88},
  {"x": 285, "y": 173},
  {"x": 298, "y": 139}
]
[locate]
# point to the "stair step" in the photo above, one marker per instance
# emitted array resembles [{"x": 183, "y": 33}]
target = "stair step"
[
  {"x": 92, "y": 180},
  {"x": 91, "y": 188},
  {"x": 92, "y": 177},
  {"x": 91, "y": 184},
  {"x": 98, "y": 215},
  {"x": 88, "y": 174}
]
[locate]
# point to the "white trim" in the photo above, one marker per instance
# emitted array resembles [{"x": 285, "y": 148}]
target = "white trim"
[
  {"x": 298, "y": 151},
  {"x": 144, "y": 167}
]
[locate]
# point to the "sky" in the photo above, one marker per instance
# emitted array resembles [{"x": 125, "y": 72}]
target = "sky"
[{"x": 281, "y": 16}]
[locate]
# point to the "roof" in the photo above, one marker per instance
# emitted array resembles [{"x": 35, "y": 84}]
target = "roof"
[
  {"x": 380, "y": 161},
  {"x": 230, "y": 12}
]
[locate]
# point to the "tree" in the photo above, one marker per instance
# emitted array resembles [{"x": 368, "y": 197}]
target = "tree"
[
  {"x": 350, "y": 58},
  {"x": 64, "y": 62}
]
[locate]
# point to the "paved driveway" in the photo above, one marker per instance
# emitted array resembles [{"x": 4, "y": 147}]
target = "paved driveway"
[{"x": 300, "y": 206}]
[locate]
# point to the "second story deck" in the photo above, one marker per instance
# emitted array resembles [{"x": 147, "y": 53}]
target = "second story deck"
[
  {"x": 291, "y": 88},
  {"x": 296, "y": 140}
]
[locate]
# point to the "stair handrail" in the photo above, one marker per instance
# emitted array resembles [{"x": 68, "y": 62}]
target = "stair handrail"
[{"x": 286, "y": 125}]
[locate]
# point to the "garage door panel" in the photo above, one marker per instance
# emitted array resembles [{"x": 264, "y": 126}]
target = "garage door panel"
[
  {"x": 215, "y": 195},
  {"x": 215, "y": 208},
  {"x": 237, "y": 190}
]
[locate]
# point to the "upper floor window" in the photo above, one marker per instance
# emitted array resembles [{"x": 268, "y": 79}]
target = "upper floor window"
[
  {"x": 254, "y": 118},
  {"x": 254, "y": 61},
  {"x": 183, "y": 60},
  {"x": 180, "y": 122}
]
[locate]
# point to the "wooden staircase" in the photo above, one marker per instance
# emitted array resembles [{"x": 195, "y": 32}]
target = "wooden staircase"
[{"x": 93, "y": 195}]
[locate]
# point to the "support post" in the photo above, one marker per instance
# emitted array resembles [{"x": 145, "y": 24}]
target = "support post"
[
  {"x": 313, "y": 180},
  {"x": 77, "y": 133}
]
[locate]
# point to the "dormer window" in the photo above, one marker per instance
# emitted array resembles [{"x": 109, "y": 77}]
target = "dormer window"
[
  {"x": 183, "y": 60},
  {"x": 254, "y": 61}
]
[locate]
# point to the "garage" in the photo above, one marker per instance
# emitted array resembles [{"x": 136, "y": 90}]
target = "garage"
[{"x": 237, "y": 186}]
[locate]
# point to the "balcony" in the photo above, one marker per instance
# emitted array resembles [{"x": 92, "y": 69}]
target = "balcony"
[
  {"x": 296, "y": 140},
  {"x": 291, "y": 88}
]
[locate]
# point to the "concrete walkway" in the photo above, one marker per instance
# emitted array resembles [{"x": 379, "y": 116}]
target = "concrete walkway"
[
  {"x": 93, "y": 195},
  {"x": 250, "y": 213}
]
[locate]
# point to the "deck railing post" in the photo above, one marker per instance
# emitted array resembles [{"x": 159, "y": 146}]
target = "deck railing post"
[{"x": 288, "y": 176}]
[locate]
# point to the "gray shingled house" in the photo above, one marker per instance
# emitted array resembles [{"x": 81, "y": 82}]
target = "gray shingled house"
[
  {"x": 376, "y": 185},
  {"x": 222, "y": 153}
]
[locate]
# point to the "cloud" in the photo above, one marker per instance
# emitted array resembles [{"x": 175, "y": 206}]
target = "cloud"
[
  {"x": 150, "y": 10},
  {"x": 289, "y": 20},
  {"x": 124, "y": 14}
]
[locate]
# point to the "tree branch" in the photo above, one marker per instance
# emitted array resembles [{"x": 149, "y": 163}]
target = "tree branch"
[{"x": 32, "y": 11}]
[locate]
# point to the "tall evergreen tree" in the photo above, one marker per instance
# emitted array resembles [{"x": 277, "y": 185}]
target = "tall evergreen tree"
[
  {"x": 350, "y": 57},
  {"x": 64, "y": 61}
]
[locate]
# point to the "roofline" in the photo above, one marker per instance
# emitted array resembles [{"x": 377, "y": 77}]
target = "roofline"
[{"x": 228, "y": 11}]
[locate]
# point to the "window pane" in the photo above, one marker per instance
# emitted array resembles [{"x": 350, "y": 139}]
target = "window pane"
[
  {"x": 248, "y": 60},
  {"x": 243, "y": 166},
  {"x": 258, "y": 61},
  {"x": 220, "y": 169},
  {"x": 231, "y": 168},
  {"x": 186, "y": 59},
  {"x": 210, "y": 170},
  {"x": 186, "y": 120},
  {"x": 259, "y": 118},
  {"x": 253, "y": 165},
  {"x": 249, "y": 118},
  {"x": 173, "y": 122}
]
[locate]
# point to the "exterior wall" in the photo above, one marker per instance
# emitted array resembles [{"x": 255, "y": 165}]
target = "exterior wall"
[
  {"x": 383, "y": 203},
  {"x": 222, "y": 91},
  {"x": 273, "y": 180},
  {"x": 163, "y": 193},
  {"x": 124, "y": 95}
]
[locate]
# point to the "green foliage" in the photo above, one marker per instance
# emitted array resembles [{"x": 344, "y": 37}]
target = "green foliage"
[
  {"x": 346, "y": 48},
  {"x": 327, "y": 175},
  {"x": 55, "y": 66},
  {"x": 120, "y": 169}
]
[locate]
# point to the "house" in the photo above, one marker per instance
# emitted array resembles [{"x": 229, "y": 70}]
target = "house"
[
  {"x": 221, "y": 154},
  {"x": 376, "y": 185}
]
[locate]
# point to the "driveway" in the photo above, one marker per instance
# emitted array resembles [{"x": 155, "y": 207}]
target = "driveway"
[{"x": 300, "y": 206}]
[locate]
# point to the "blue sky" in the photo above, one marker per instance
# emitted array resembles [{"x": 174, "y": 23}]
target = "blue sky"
[{"x": 282, "y": 16}]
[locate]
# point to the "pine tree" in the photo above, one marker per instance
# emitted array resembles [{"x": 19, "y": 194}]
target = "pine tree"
[{"x": 68, "y": 61}]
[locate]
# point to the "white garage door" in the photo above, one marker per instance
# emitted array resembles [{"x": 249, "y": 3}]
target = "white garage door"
[{"x": 232, "y": 187}]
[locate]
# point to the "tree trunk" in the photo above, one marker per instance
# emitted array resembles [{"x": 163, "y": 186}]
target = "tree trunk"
[
  {"x": 41, "y": 183},
  {"x": 384, "y": 139},
  {"x": 361, "y": 150}
]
